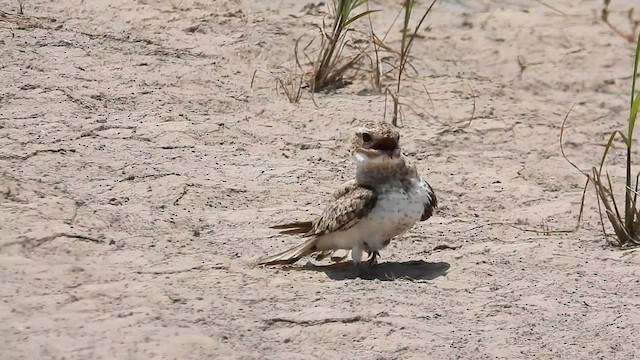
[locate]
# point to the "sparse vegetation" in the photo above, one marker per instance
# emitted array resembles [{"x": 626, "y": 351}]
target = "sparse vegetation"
[
  {"x": 329, "y": 68},
  {"x": 291, "y": 84},
  {"x": 331, "y": 63},
  {"x": 405, "y": 49},
  {"x": 626, "y": 225},
  {"x": 21, "y": 7},
  {"x": 633, "y": 23}
]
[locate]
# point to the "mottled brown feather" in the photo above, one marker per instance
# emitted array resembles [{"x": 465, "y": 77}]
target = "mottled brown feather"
[
  {"x": 300, "y": 227},
  {"x": 429, "y": 207},
  {"x": 345, "y": 188},
  {"x": 351, "y": 202},
  {"x": 345, "y": 211},
  {"x": 340, "y": 215}
]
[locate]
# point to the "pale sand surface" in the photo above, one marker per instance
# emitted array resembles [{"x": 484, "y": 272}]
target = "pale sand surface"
[{"x": 146, "y": 146}]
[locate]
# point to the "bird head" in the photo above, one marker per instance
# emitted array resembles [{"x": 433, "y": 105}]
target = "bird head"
[{"x": 376, "y": 141}]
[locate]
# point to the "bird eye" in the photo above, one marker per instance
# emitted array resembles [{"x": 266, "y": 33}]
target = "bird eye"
[{"x": 366, "y": 137}]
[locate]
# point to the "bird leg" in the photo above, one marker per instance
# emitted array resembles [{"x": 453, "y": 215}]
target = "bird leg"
[
  {"x": 364, "y": 270},
  {"x": 373, "y": 260}
]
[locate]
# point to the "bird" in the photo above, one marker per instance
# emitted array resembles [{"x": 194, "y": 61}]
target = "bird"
[{"x": 386, "y": 198}]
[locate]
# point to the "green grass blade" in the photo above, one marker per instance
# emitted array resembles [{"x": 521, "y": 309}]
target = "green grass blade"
[
  {"x": 404, "y": 53},
  {"x": 608, "y": 146},
  {"x": 348, "y": 22},
  {"x": 633, "y": 113},
  {"x": 613, "y": 198},
  {"x": 635, "y": 105},
  {"x": 634, "y": 97},
  {"x": 358, "y": 3}
]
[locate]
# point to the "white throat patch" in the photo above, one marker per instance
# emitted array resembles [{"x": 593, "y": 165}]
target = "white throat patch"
[{"x": 360, "y": 157}]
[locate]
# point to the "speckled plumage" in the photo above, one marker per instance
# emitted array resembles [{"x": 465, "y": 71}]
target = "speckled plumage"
[
  {"x": 386, "y": 198},
  {"x": 345, "y": 211}
]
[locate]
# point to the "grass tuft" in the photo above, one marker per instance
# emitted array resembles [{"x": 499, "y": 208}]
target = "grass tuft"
[
  {"x": 331, "y": 64},
  {"x": 626, "y": 224}
]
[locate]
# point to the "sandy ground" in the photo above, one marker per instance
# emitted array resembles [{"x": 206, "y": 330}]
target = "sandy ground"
[{"x": 139, "y": 172}]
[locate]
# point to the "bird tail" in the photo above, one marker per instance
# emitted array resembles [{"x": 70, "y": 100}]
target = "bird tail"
[
  {"x": 291, "y": 255},
  {"x": 301, "y": 227}
]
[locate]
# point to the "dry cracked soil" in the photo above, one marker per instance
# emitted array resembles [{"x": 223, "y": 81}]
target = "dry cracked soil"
[{"x": 142, "y": 163}]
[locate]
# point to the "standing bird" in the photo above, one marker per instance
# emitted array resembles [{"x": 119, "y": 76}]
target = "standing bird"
[{"x": 386, "y": 198}]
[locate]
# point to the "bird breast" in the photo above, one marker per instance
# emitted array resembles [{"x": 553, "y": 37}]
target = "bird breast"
[{"x": 397, "y": 210}]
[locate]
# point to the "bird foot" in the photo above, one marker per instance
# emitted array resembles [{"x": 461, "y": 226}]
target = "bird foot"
[
  {"x": 373, "y": 261},
  {"x": 366, "y": 269}
]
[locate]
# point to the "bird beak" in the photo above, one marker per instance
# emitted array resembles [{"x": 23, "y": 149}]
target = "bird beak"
[{"x": 387, "y": 146}]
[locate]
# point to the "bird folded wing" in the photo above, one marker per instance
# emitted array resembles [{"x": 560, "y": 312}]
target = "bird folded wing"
[
  {"x": 345, "y": 188},
  {"x": 431, "y": 203},
  {"x": 345, "y": 211}
]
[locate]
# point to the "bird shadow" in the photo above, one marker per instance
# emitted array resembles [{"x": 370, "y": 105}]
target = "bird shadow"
[{"x": 387, "y": 271}]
